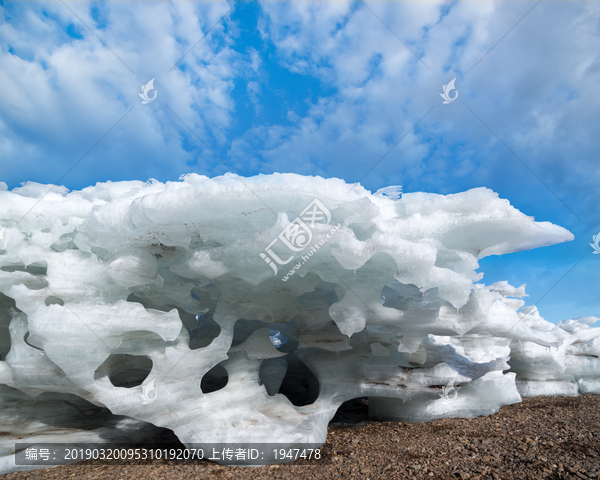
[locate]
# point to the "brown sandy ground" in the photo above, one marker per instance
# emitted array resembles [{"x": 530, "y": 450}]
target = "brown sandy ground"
[{"x": 544, "y": 437}]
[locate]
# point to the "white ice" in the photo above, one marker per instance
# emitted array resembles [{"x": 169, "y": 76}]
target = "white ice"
[{"x": 183, "y": 288}]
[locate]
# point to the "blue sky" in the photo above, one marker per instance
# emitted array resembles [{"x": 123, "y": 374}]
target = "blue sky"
[{"x": 323, "y": 88}]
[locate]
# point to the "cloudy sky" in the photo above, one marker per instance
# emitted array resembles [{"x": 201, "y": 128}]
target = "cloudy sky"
[{"x": 332, "y": 88}]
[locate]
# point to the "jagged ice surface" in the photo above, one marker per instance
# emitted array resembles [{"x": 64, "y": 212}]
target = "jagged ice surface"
[{"x": 173, "y": 305}]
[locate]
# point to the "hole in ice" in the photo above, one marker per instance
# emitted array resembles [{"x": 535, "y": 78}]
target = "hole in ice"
[
  {"x": 299, "y": 385},
  {"x": 277, "y": 339},
  {"x": 13, "y": 268},
  {"x": 6, "y": 303},
  {"x": 352, "y": 412},
  {"x": 37, "y": 268},
  {"x": 203, "y": 332},
  {"x": 399, "y": 295},
  {"x": 278, "y": 332},
  {"x": 137, "y": 297},
  {"x": 51, "y": 300},
  {"x": 34, "y": 268},
  {"x": 124, "y": 370},
  {"x": 66, "y": 414},
  {"x": 271, "y": 373},
  {"x": 202, "y": 329},
  {"x": 215, "y": 379}
]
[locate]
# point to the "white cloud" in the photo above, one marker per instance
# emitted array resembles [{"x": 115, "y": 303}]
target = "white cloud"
[
  {"x": 520, "y": 87},
  {"x": 62, "y": 94}
]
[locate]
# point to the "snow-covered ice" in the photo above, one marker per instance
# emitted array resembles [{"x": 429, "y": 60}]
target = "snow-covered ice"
[{"x": 249, "y": 310}]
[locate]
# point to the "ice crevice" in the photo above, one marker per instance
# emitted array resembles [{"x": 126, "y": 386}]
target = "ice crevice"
[{"x": 230, "y": 311}]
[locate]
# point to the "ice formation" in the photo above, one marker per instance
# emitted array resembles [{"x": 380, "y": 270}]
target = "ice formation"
[{"x": 249, "y": 310}]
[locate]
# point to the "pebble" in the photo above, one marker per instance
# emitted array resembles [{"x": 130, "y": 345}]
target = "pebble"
[{"x": 540, "y": 438}]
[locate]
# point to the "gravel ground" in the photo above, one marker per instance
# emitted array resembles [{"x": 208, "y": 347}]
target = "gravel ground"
[{"x": 544, "y": 437}]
